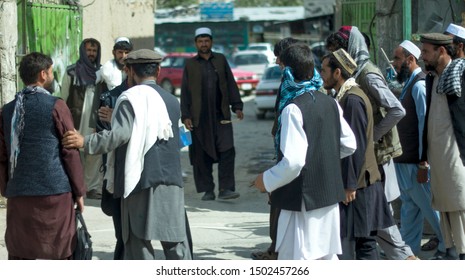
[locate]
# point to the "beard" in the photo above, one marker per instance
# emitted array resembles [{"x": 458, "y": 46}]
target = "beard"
[
  {"x": 403, "y": 74},
  {"x": 50, "y": 86},
  {"x": 430, "y": 67}
]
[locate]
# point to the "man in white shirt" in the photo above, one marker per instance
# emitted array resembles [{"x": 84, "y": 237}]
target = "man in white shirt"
[{"x": 306, "y": 185}]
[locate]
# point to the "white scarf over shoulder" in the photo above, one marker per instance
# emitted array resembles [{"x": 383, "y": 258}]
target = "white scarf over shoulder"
[{"x": 151, "y": 123}]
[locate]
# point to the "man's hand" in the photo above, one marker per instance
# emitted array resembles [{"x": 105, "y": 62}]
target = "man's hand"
[
  {"x": 188, "y": 124},
  {"x": 80, "y": 203},
  {"x": 350, "y": 196},
  {"x": 239, "y": 114},
  {"x": 72, "y": 140},
  {"x": 259, "y": 184},
  {"x": 104, "y": 114}
]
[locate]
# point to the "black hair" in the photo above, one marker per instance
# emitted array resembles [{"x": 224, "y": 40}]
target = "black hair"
[
  {"x": 458, "y": 40},
  {"x": 144, "y": 70},
  {"x": 202, "y": 36},
  {"x": 31, "y": 65},
  {"x": 334, "y": 64},
  {"x": 283, "y": 44},
  {"x": 335, "y": 42},
  {"x": 299, "y": 58},
  {"x": 449, "y": 49},
  {"x": 123, "y": 45}
]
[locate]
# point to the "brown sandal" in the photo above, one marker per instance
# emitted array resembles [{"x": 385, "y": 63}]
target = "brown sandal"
[{"x": 264, "y": 255}]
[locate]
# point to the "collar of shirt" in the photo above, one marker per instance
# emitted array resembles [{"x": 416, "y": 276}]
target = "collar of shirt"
[{"x": 404, "y": 89}]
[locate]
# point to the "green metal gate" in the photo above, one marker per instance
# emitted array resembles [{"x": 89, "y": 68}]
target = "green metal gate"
[
  {"x": 360, "y": 13},
  {"x": 55, "y": 30}
]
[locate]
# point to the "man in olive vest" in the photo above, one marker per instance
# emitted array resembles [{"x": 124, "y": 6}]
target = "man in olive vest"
[{"x": 387, "y": 112}]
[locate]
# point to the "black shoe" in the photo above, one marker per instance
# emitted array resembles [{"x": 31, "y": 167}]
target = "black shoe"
[
  {"x": 444, "y": 256},
  {"x": 228, "y": 194},
  {"x": 209, "y": 196}
]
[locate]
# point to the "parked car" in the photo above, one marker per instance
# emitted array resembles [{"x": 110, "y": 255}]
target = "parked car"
[
  {"x": 246, "y": 80},
  {"x": 267, "y": 90},
  {"x": 172, "y": 68},
  {"x": 254, "y": 61},
  {"x": 266, "y": 48}
]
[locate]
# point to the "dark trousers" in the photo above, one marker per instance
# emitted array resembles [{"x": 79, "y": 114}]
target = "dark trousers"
[
  {"x": 359, "y": 248},
  {"x": 119, "y": 247},
  {"x": 274, "y": 217},
  {"x": 203, "y": 170}
]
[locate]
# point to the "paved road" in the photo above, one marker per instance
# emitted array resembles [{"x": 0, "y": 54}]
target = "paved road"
[{"x": 221, "y": 230}]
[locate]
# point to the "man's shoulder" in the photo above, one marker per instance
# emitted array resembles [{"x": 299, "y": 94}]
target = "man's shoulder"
[{"x": 71, "y": 70}]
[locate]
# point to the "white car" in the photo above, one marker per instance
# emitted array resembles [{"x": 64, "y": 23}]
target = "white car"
[
  {"x": 254, "y": 61},
  {"x": 267, "y": 90},
  {"x": 266, "y": 48}
]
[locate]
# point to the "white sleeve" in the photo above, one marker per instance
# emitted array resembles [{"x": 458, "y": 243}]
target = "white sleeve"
[
  {"x": 294, "y": 148},
  {"x": 348, "y": 141}
]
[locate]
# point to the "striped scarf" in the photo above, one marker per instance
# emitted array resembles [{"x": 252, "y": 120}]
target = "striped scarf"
[
  {"x": 451, "y": 79},
  {"x": 290, "y": 90},
  {"x": 17, "y": 124}
]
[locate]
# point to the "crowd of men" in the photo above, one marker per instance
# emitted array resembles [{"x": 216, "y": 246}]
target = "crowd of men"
[{"x": 346, "y": 146}]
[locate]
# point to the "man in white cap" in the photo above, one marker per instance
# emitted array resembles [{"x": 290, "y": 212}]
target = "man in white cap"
[
  {"x": 458, "y": 40},
  {"x": 209, "y": 94},
  {"x": 412, "y": 173},
  {"x": 112, "y": 71}
]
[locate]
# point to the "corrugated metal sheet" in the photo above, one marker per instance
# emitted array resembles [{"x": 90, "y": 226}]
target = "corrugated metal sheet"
[{"x": 55, "y": 30}]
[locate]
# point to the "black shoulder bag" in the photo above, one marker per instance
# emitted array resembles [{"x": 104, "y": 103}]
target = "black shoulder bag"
[{"x": 83, "y": 250}]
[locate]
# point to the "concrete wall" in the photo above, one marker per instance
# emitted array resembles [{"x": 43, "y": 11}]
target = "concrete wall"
[
  {"x": 8, "y": 39},
  {"x": 107, "y": 20}
]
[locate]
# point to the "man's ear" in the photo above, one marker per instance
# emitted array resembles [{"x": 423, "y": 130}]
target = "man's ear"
[
  {"x": 158, "y": 71},
  {"x": 42, "y": 76},
  {"x": 337, "y": 73}
]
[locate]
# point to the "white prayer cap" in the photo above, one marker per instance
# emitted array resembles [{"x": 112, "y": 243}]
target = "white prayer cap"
[
  {"x": 456, "y": 30},
  {"x": 203, "y": 31},
  {"x": 122, "y": 39},
  {"x": 411, "y": 48}
]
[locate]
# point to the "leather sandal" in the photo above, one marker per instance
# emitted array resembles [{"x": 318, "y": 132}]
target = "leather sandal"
[
  {"x": 264, "y": 255},
  {"x": 432, "y": 244}
]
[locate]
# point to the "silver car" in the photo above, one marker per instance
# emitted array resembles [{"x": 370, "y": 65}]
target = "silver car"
[
  {"x": 267, "y": 90},
  {"x": 254, "y": 61}
]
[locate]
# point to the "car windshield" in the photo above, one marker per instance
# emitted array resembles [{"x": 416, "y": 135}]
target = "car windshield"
[
  {"x": 258, "y": 48},
  {"x": 247, "y": 59},
  {"x": 272, "y": 73}
]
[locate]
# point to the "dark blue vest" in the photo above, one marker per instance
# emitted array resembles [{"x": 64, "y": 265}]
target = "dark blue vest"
[
  {"x": 408, "y": 126},
  {"x": 39, "y": 170}
]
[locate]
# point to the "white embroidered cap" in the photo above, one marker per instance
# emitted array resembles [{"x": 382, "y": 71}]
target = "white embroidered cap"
[
  {"x": 456, "y": 30},
  {"x": 411, "y": 48},
  {"x": 122, "y": 39},
  {"x": 203, "y": 31}
]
